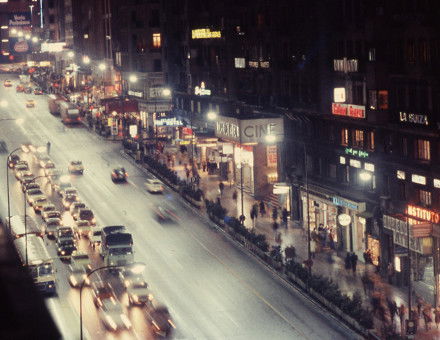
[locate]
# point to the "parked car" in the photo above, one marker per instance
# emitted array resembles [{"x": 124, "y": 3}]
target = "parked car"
[
  {"x": 75, "y": 167},
  {"x": 129, "y": 278},
  {"x": 154, "y": 185}
]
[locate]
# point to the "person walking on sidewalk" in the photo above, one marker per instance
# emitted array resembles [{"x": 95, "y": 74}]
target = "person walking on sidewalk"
[
  {"x": 234, "y": 195},
  {"x": 275, "y": 214},
  {"x": 392, "y": 307},
  {"x": 427, "y": 316},
  {"x": 221, "y": 187},
  {"x": 353, "y": 260},
  {"x": 262, "y": 209},
  {"x": 284, "y": 216},
  {"x": 437, "y": 316},
  {"x": 255, "y": 210},
  {"x": 253, "y": 217},
  {"x": 348, "y": 261},
  {"x": 312, "y": 248},
  {"x": 401, "y": 312},
  {"x": 48, "y": 148}
]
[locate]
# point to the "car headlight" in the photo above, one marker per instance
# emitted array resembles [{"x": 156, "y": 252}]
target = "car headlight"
[
  {"x": 73, "y": 280},
  {"x": 110, "y": 322},
  {"x": 126, "y": 320},
  {"x": 63, "y": 252}
]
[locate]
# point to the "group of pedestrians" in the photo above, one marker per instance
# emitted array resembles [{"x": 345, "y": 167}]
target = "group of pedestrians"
[{"x": 351, "y": 261}]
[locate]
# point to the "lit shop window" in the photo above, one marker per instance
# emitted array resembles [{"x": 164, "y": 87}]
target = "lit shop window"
[
  {"x": 400, "y": 174},
  {"x": 344, "y": 137},
  {"x": 423, "y": 149},
  {"x": 157, "y": 43}
]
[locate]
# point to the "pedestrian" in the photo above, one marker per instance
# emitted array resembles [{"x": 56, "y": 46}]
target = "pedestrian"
[
  {"x": 221, "y": 187},
  {"x": 242, "y": 218},
  {"x": 347, "y": 261},
  {"x": 234, "y": 195},
  {"x": 312, "y": 248},
  {"x": 48, "y": 148},
  {"x": 419, "y": 306},
  {"x": 401, "y": 312},
  {"x": 275, "y": 214},
  {"x": 392, "y": 307},
  {"x": 437, "y": 316},
  {"x": 255, "y": 210},
  {"x": 187, "y": 174},
  {"x": 284, "y": 216},
  {"x": 354, "y": 259},
  {"x": 427, "y": 316},
  {"x": 262, "y": 209},
  {"x": 218, "y": 200},
  {"x": 204, "y": 166},
  {"x": 253, "y": 217},
  {"x": 365, "y": 284}
]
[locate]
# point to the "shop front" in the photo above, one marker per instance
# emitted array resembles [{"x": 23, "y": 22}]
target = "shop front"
[{"x": 245, "y": 155}]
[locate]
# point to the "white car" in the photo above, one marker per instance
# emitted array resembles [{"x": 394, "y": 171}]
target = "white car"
[
  {"x": 154, "y": 185},
  {"x": 74, "y": 209},
  {"x": 69, "y": 191},
  {"x": 128, "y": 278},
  {"x": 95, "y": 237},
  {"x": 19, "y": 168},
  {"x": 139, "y": 294},
  {"x": 82, "y": 228},
  {"x": 48, "y": 207},
  {"x": 68, "y": 200},
  {"x": 77, "y": 274},
  {"x": 81, "y": 260},
  {"x": 52, "y": 214},
  {"x": 33, "y": 194},
  {"x": 39, "y": 203},
  {"x": 112, "y": 315},
  {"x": 50, "y": 227},
  {"x": 75, "y": 167}
]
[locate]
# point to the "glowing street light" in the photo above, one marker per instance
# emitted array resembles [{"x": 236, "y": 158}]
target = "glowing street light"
[
  {"x": 70, "y": 54},
  {"x": 13, "y": 31},
  {"x": 34, "y": 39},
  {"x": 212, "y": 115},
  {"x": 102, "y": 66},
  {"x": 86, "y": 60},
  {"x": 365, "y": 176},
  {"x": 20, "y": 34},
  {"x": 27, "y": 36},
  {"x": 166, "y": 92},
  {"x": 133, "y": 78},
  {"x": 270, "y": 139}
]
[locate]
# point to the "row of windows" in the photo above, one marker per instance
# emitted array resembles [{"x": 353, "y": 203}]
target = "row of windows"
[{"x": 357, "y": 138}]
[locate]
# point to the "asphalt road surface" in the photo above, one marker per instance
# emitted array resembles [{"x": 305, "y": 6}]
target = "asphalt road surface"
[{"x": 212, "y": 288}]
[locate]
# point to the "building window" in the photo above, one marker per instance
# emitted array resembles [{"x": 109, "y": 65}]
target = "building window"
[
  {"x": 372, "y": 54},
  {"x": 192, "y": 105},
  {"x": 157, "y": 65},
  {"x": 371, "y": 144},
  {"x": 404, "y": 146},
  {"x": 402, "y": 191},
  {"x": 157, "y": 43},
  {"x": 382, "y": 99},
  {"x": 400, "y": 174},
  {"x": 372, "y": 99},
  {"x": 51, "y": 19},
  {"x": 332, "y": 171},
  {"x": 199, "y": 107},
  {"x": 425, "y": 198},
  {"x": 344, "y": 137},
  {"x": 423, "y": 151},
  {"x": 358, "y": 139}
]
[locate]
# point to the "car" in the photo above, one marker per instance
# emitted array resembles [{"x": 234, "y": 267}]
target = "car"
[
  {"x": 27, "y": 89},
  {"x": 33, "y": 194},
  {"x": 44, "y": 160},
  {"x": 20, "y": 166},
  {"x": 68, "y": 200},
  {"x": 12, "y": 160},
  {"x": 74, "y": 208},
  {"x": 47, "y": 208},
  {"x": 25, "y": 177},
  {"x": 50, "y": 227},
  {"x": 48, "y": 166},
  {"x": 86, "y": 214},
  {"x": 166, "y": 214},
  {"x": 95, "y": 237},
  {"x": 19, "y": 169},
  {"x": 30, "y": 103},
  {"x": 82, "y": 228},
  {"x": 77, "y": 275},
  {"x": 112, "y": 315},
  {"x": 102, "y": 291},
  {"x": 61, "y": 186},
  {"x": 69, "y": 191},
  {"x": 19, "y": 88},
  {"x": 129, "y": 278},
  {"x": 39, "y": 203},
  {"x": 75, "y": 167},
  {"x": 81, "y": 259},
  {"x": 160, "y": 320},
  {"x": 52, "y": 214},
  {"x": 53, "y": 175},
  {"x": 139, "y": 294},
  {"x": 64, "y": 233},
  {"x": 65, "y": 249},
  {"x": 7, "y": 83},
  {"x": 30, "y": 185},
  {"x": 154, "y": 185},
  {"x": 38, "y": 91},
  {"x": 119, "y": 175}
]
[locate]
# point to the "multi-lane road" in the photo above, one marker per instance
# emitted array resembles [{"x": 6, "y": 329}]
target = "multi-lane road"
[{"x": 212, "y": 288}]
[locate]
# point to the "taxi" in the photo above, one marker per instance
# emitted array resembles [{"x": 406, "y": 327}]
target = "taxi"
[{"x": 30, "y": 103}]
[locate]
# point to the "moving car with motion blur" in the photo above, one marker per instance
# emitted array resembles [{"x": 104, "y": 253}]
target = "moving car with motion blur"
[
  {"x": 81, "y": 259},
  {"x": 44, "y": 160},
  {"x": 112, "y": 315},
  {"x": 70, "y": 191},
  {"x": 38, "y": 91},
  {"x": 95, "y": 237},
  {"x": 139, "y": 294},
  {"x": 129, "y": 278},
  {"x": 19, "y": 168},
  {"x": 166, "y": 214},
  {"x": 25, "y": 177},
  {"x": 75, "y": 167},
  {"x": 19, "y": 88},
  {"x": 76, "y": 276},
  {"x": 119, "y": 175},
  {"x": 102, "y": 291},
  {"x": 154, "y": 185},
  {"x": 30, "y": 103},
  {"x": 60, "y": 186},
  {"x": 160, "y": 320}
]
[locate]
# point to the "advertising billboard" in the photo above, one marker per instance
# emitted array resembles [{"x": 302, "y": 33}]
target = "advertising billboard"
[{"x": 19, "y": 29}]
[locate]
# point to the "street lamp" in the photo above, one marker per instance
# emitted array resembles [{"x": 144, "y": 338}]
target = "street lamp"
[
  {"x": 70, "y": 54},
  {"x": 136, "y": 268},
  {"x": 27, "y": 36},
  {"x": 365, "y": 176},
  {"x": 34, "y": 39},
  {"x": 20, "y": 33},
  {"x": 102, "y": 67},
  {"x": 86, "y": 60},
  {"x": 212, "y": 115},
  {"x": 133, "y": 78}
]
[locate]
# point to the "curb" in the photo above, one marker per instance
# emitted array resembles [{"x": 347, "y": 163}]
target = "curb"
[{"x": 276, "y": 274}]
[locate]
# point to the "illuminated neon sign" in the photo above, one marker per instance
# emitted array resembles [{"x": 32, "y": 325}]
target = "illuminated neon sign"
[
  {"x": 423, "y": 214},
  {"x": 205, "y": 33}
]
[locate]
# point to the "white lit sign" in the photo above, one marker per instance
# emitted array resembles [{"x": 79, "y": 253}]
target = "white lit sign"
[
  {"x": 201, "y": 90},
  {"x": 339, "y": 95},
  {"x": 436, "y": 183},
  {"x": 418, "y": 179},
  {"x": 400, "y": 174},
  {"x": 355, "y": 163},
  {"x": 135, "y": 93},
  {"x": 344, "y": 219},
  {"x": 240, "y": 62},
  {"x": 169, "y": 122},
  {"x": 53, "y": 47},
  {"x": 133, "y": 130},
  {"x": 342, "y": 160},
  {"x": 369, "y": 167}
]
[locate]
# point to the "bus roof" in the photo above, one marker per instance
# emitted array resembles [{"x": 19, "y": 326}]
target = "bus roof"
[
  {"x": 18, "y": 228},
  {"x": 36, "y": 250}
]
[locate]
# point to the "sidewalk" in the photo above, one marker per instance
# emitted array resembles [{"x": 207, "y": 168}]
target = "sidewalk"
[{"x": 325, "y": 262}]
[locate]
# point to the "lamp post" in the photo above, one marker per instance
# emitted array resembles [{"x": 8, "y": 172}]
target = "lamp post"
[
  {"x": 7, "y": 185},
  {"x": 409, "y": 269},
  {"x": 136, "y": 268}
]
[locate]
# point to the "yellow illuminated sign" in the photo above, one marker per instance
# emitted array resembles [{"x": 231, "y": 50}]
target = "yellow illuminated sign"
[{"x": 205, "y": 33}]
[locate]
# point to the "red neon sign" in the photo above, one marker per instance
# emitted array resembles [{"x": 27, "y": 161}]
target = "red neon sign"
[{"x": 423, "y": 214}]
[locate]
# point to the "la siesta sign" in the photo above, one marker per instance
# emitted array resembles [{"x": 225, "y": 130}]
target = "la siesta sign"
[
  {"x": 348, "y": 110},
  {"x": 423, "y": 214}
]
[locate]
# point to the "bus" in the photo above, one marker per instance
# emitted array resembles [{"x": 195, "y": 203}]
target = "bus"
[
  {"x": 18, "y": 228},
  {"x": 34, "y": 255}
]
